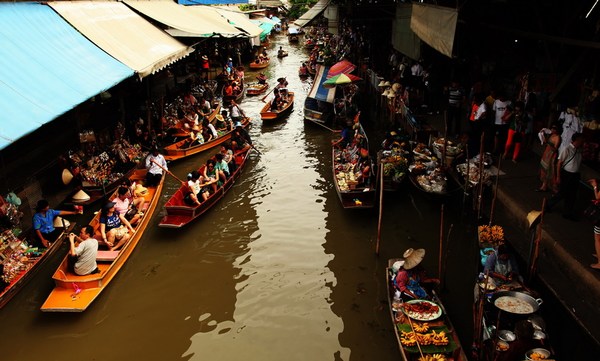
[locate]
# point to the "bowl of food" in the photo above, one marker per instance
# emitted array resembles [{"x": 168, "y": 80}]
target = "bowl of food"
[
  {"x": 506, "y": 335},
  {"x": 537, "y": 354},
  {"x": 502, "y": 346}
]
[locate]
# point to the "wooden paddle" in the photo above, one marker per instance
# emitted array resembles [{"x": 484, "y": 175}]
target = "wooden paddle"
[
  {"x": 265, "y": 97},
  {"x": 168, "y": 171}
]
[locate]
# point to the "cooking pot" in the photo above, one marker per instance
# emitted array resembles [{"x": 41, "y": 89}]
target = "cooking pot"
[{"x": 533, "y": 302}]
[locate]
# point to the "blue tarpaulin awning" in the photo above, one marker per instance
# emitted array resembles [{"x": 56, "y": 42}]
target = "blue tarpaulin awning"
[
  {"x": 46, "y": 68},
  {"x": 318, "y": 90},
  {"x": 267, "y": 27}
]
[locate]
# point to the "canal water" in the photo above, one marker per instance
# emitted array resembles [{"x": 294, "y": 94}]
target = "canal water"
[{"x": 277, "y": 270}]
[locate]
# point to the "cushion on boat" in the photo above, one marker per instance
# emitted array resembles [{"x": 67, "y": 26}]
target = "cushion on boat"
[{"x": 106, "y": 256}]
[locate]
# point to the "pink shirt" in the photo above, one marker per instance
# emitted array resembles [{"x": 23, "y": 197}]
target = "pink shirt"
[{"x": 121, "y": 206}]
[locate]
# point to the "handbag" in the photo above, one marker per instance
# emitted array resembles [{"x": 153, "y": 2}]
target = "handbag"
[
  {"x": 592, "y": 212},
  {"x": 131, "y": 212}
]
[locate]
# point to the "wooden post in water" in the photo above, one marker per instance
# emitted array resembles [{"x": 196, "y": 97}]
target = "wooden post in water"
[
  {"x": 441, "y": 242},
  {"x": 495, "y": 192},
  {"x": 380, "y": 208}
]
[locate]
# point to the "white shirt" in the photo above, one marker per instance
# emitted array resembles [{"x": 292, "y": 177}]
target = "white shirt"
[
  {"x": 500, "y": 108},
  {"x": 480, "y": 111},
  {"x": 213, "y": 130},
  {"x": 571, "y": 125},
  {"x": 194, "y": 186},
  {"x": 152, "y": 167},
  {"x": 571, "y": 158}
]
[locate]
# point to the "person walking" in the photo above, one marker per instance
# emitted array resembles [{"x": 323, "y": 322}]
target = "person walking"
[
  {"x": 456, "y": 98},
  {"x": 548, "y": 161},
  {"x": 568, "y": 176},
  {"x": 517, "y": 124}
]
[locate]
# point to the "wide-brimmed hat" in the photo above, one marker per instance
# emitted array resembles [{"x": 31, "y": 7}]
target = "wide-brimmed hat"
[
  {"x": 381, "y": 83},
  {"x": 81, "y": 196},
  {"x": 533, "y": 217},
  {"x": 204, "y": 57},
  {"x": 66, "y": 176},
  {"x": 219, "y": 117},
  {"x": 387, "y": 83},
  {"x": 196, "y": 128},
  {"x": 412, "y": 257}
]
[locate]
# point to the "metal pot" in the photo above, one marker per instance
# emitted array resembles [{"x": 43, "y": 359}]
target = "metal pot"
[{"x": 533, "y": 302}]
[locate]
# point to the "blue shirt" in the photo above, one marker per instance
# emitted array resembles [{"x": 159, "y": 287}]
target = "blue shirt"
[
  {"x": 45, "y": 223},
  {"x": 111, "y": 222}
]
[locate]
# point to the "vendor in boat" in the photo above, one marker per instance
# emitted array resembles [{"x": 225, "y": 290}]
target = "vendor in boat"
[
  {"x": 155, "y": 164},
  {"x": 364, "y": 168},
  {"x": 82, "y": 257},
  {"x": 196, "y": 189},
  {"x": 43, "y": 223},
  {"x": 346, "y": 137},
  {"x": 240, "y": 139},
  {"x": 114, "y": 227},
  {"x": 262, "y": 78},
  {"x": 502, "y": 266},
  {"x": 303, "y": 71},
  {"x": 410, "y": 275}
]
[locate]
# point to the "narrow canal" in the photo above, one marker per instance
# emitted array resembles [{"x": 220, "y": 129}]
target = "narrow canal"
[{"x": 276, "y": 271}]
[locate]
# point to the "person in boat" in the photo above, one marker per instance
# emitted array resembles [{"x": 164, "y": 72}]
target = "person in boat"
[
  {"x": 364, "y": 168},
  {"x": 230, "y": 65},
  {"x": 210, "y": 174},
  {"x": 277, "y": 101},
  {"x": 262, "y": 78},
  {"x": 229, "y": 89},
  {"x": 123, "y": 205},
  {"x": 43, "y": 223},
  {"x": 190, "y": 120},
  {"x": 132, "y": 194},
  {"x": 82, "y": 257},
  {"x": 281, "y": 53},
  {"x": 235, "y": 112},
  {"x": 221, "y": 167},
  {"x": 237, "y": 89},
  {"x": 189, "y": 100},
  {"x": 196, "y": 190},
  {"x": 239, "y": 73},
  {"x": 303, "y": 71},
  {"x": 257, "y": 60},
  {"x": 155, "y": 163},
  {"x": 223, "y": 123},
  {"x": 196, "y": 137},
  {"x": 264, "y": 53},
  {"x": 114, "y": 227},
  {"x": 240, "y": 139},
  {"x": 410, "y": 275},
  {"x": 209, "y": 130},
  {"x": 502, "y": 266},
  {"x": 346, "y": 137},
  {"x": 228, "y": 156},
  {"x": 204, "y": 106}
]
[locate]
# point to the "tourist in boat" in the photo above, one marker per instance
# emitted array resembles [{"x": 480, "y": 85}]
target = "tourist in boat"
[
  {"x": 223, "y": 122},
  {"x": 43, "y": 223},
  {"x": 124, "y": 206},
  {"x": 240, "y": 139},
  {"x": 221, "y": 167},
  {"x": 196, "y": 189},
  {"x": 262, "y": 78},
  {"x": 409, "y": 275},
  {"x": 190, "y": 120},
  {"x": 155, "y": 163},
  {"x": 209, "y": 132},
  {"x": 114, "y": 227},
  {"x": 82, "y": 256},
  {"x": 210, "y": 174},
  {"x": 204, "y": 106},
  {"x": 196, "y": 137},
  {"x": 132, "y": 194},
  {"x": 228, "y": 156},
  {"x": 502, "y": 266},
  {"x": 229, "y": 89}
]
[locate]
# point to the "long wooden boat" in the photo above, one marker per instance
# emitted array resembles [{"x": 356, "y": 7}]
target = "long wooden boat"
[
  {"x": 33, "y": 265},
  {"x": 236, "y": 97},
  {"x": 256, "y": 89},
  {"x": 266, "y": 114},
  {"x": 352, "y": 194},
  {"x": 179, "y": 213},
  {"x": 452, "y": 351},
  {"x": 181, "y": 149},
  {"x": 74, "y": 293},
  {"x": 318, "y": 105},
  {"x": 261, "y": 65},
  {"x": 178, "y": 131}
]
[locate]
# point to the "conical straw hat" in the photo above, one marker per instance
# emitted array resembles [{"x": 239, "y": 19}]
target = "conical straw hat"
[
  {"x": 67, "y": 176},
  {"x": 81, "y": 196},
  {"x": 58, "y": 222},
  {"x": 412, "y": 257},
  {"x": 533, "y": 217},
  {"x": 381, "y": 83}
]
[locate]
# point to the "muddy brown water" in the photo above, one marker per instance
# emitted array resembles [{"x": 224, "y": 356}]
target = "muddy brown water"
[{"x": 277, "y": 270}]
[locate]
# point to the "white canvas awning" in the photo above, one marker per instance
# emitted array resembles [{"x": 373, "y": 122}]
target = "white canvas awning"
[
  {"x": 312, "y": 13},
  {"x": 123, "y": 34},
  {"x": 435, "y": 25},
  {"x": 238, "y": 20},
  {"x": 183, "y": 21}
]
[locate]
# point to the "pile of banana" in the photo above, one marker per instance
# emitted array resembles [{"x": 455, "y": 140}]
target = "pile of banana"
[
  {"x": 434, "y": 357},
  {"x": 424, "y": 339}
]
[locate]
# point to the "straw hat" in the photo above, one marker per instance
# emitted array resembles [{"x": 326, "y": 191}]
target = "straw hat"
[
  {"x": 387, "y": 83},
  {"x": 391, "y": 94},
  {"x": 140, "y": 190},
  {"x": 381, "y": 83},
  {"x": 67, "y": 176},
  {"x": 395, "y": 87},
  {"x": 386, "y": 92},
  {"x": 81, "y": 196},
  {"x": 196, "y": 128},
  {"x": 58, "y": 222},
  {"x": 412, "y": 257},
  {"x": 219, "y": 117},
  {"x": 533, "y": 217}
]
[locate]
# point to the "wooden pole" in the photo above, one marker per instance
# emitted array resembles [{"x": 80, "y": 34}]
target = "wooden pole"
[
  {"x": 380, "y": 208},
  {"x": 536, "y": 244},
  {"x": 441, "y": 242},
  {"x": 495, "y": 192},
  {"x": 481, "y": 161},
  {"x": 168, "y": 171}
]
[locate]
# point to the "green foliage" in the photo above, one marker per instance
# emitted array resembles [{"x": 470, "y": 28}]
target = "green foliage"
[
  {"x": 299, "y": 7},
  {"x": 247, "y": 7}
]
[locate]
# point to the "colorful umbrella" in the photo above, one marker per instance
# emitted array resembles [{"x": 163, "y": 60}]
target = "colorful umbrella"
[
  {"x": 340, "y": 79},
  {"x": 342, "y": 67}
]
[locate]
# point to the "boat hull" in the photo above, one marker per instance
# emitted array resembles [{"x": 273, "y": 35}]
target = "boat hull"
[
  {"x": 262, "y": 65},
  {"x": 256, "y": 89},
  {"x": 73, "y": 293},
  {"x": 268, "y": 115}
]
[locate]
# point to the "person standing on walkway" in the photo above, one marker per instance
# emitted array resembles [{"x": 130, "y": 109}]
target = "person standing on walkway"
[
  {"x": 568, "y": 176},
  {"x": 456, "y": 98},
  {"x": 594, "y": 184},
  {"x": 551, "y": 144},
  {"x": 571, "y": 124},
  {"x": 517, "y": 124},
  {"x": 501, "y": 114}
]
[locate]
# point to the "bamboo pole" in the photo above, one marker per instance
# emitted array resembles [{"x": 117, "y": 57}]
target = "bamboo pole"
[
  {"x": 480, "y": 190},
  {"x": 380, "y": 208},
  {"x": 536, "y": 244},
  {"x": 441, "y": 242},
  {"x": 495, "y": 192},
  {"x": 168, "y": 171}
]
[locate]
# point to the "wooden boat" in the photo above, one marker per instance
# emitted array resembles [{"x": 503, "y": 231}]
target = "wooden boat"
[
  {"x": 256, "y": 89},
  {"x": 179, "y": 213},
  {"x": 271, "y": 115},
  {"x": 293, "y": 38},
  {"x": 395, "y": 168},
  {"x": 237, "y": 97},
  {"x": 318, "y": 105},
  {"x": 352, "y": 194},
  {"x": 73, "y": 293},
  {"x": 452, "y": 351},
  {"x": 177, "y": 131},
  {"x": 181, "y": 149},
  {"x": 35, "y": 262},
  {"x": 263, "y": 64}
]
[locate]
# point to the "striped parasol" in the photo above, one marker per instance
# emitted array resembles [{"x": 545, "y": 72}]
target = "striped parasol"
[
  {"x": 340, "y": 79},
  {"x": 342, "y": 67}
]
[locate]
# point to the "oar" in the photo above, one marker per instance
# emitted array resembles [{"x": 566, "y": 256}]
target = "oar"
[
  {"x": 326, "y": 127},
  {"x": 168, "y": 171},
  {"x": 257, "y": 151},
  {"x": 265, "y": 97}
]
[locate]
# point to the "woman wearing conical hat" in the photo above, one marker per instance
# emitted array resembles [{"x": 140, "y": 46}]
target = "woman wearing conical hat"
[{"x": 411, "y": 275}]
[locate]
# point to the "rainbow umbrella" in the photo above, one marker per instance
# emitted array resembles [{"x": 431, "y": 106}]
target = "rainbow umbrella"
[
  {"x": 341, "y": 67},
  {"x": 340, "y": 79}
]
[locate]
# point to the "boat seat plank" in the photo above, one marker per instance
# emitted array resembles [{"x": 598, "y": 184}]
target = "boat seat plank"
[{"x": 106, "y": 256}]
